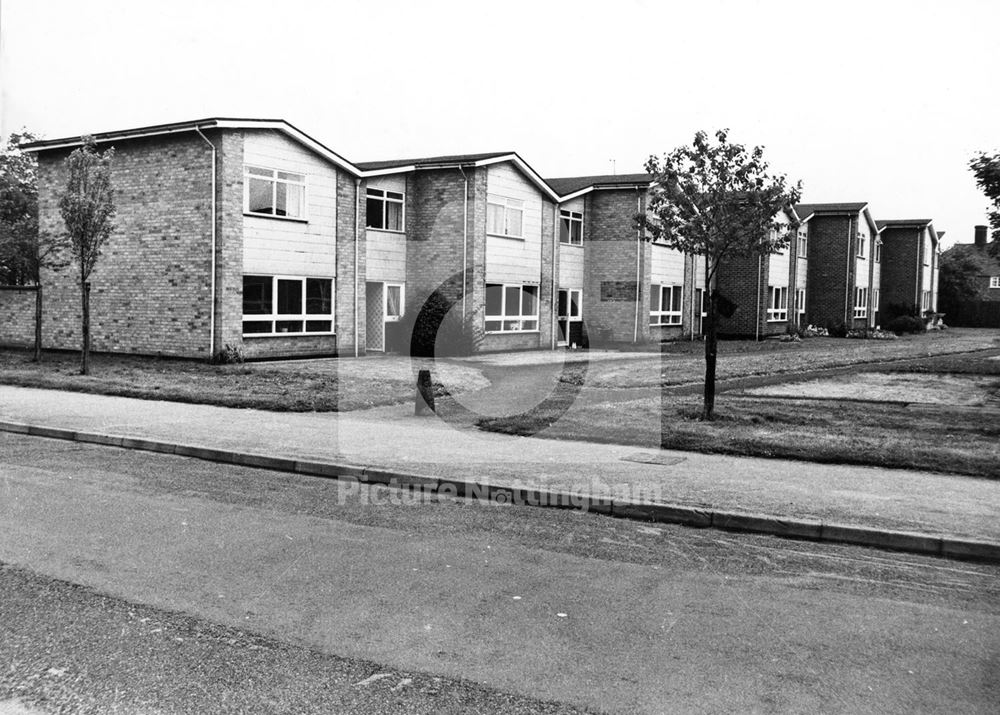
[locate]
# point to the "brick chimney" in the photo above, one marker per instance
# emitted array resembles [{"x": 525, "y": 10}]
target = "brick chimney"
[{"x": 980, "y": 235}]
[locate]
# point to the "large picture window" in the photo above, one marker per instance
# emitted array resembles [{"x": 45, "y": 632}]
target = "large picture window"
[
  {"x": 384, "y": 210},
  {"x": 777, "y": 305},
  {"x": 511, "y": 308},
  {"x": 269, "y": 192},
  {"x": 278, "y": 305},
  {"x": 504, "y": 217},
  {"x": 571, "y": 227},
  {"x": 665, "y": 304}
]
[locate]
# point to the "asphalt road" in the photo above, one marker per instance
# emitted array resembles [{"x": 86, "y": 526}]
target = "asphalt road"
[{"x": 508, "y": 606}]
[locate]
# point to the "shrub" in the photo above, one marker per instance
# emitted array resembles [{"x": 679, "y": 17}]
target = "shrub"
[
  {"x": 229, "y": 355},
  {"x": 906, "y": 324},
  {"x": 895, "y": 310},
  {"x": 438, "y": 331},
  {"x": 836, "y": 329}
]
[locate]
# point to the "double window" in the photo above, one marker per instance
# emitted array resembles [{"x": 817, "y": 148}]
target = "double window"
[
  {"x": 275, "y": 305},
  {"x": 384, "y": 210},
  {"x": 665, "y": 304},
  {"x": 571, "y": 227},
  {"x": 511, "y": 308},
  {"x": 269, "y": 192},
  {"x": 504, "y": 217},
  {"x": 860, "y": 302},
  {"x": 777, "y": 304},
  {"x": 994, "y": 281}
]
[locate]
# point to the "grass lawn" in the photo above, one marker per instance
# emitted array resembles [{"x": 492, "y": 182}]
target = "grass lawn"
[
  {"x": 294, "y": 386},
  {"x": 937, "y": 436}
]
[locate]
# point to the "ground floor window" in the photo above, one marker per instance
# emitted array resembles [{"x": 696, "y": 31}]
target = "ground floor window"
[
  {"x": 800, "y": 301},
  {"x": 860, "y": 302},
  {"x": 511, "y": 308},
  {"x": 925, "y": 300},
  {"x": 665, "y": 304},
  {"x": 394, "y": 301},
  {"x": 278, "y": 305},
  {"x": 875, "y": 300},
  {"x": 994, "y": 281},
  {"x": 777, "y": 305},
  {"x": 569, "y": 313}
]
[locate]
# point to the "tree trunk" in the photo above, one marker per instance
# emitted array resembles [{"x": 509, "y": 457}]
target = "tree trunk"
[
  {"x": 85, "y": 357},
  {"x": 38, "y": 322},
  {"x": 711, "y": 352}
]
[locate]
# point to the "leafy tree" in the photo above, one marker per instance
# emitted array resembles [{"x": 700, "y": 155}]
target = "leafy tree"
[
  {"x": 716, "y": 199},
  {"x": 88, "y": 209},
  {"x": 957, "y": 279},
  {"x": 986, "y": 169},
  {"x": 24, "y": 252}
]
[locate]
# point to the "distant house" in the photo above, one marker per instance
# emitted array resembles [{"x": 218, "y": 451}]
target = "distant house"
[
  {"x": 984, "y": 309},
  {"x": 844, "y": 266},
  {"x": 909, "y": 266},
  {"x": 768, "y": 290}
]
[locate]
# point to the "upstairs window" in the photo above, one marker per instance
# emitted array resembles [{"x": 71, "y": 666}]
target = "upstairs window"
[
  {"x": 269, "y": 192},
  {"x": 994, "y": 281},
  {"x": 504, "y": 217},
  {"x": 862, "y": 240},
  {"x": 384, "y": 210},
  {"x": 803, "y": 238},
  {"x": 571, "y": 227},
  {"x": 878, "y": 251},
  {"x": 777, "y": 306},
  {"x": 665, "y": 304}
]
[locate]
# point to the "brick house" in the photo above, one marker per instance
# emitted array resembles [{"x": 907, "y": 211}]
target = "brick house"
[
  {"x": 844, "y": 265},
  {"x": 630, "y": 289},
  {"x": 909, "y": 265},
  {"x": 768, "y": 291},
  {"x": 983, "y": 310}
]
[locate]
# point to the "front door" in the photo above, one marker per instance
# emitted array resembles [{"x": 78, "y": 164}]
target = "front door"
[{"x": 569, "y": 318}]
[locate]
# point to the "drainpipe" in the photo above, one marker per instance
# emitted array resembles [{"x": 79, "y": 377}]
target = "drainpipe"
[
  {"x": 554, "y": 308},
  {"x": 638, "y": 265},
  {"x": 465, "y": 242},
  {"x": 760, "y": 260},
  {"x": 211, "y": 312},
  {"x": 848, "y": 303},
  {"x": 357, "y": 258}
]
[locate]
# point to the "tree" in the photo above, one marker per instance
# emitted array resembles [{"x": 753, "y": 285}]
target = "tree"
[
  {"x": 88, "y": 209},
  {"x": 957, "y": 279},
  {"x": 986, "y": 169},
  {"x": 716, "y": 199},
  {"x": 24, "y": 252}
]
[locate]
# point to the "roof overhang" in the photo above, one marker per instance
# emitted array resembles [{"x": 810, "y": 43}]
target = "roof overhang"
[
  {"x": 639, "y": 185},
  {"x": 279, "y": 125}
]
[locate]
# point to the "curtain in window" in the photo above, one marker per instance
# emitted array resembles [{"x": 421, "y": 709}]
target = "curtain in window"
[{"x": 393, "y": 308}]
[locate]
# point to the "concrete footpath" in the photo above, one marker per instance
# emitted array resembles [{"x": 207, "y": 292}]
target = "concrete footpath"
[{"x": 919, "y": 512}]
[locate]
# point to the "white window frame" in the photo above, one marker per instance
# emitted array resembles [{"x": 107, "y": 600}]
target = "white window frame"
[
  {"x": 994, "y": 281},
  {"x": 659, "y": 316},
  {"x": 385, "y": 302},
  {"x": 862, "y": 240},
  {"x": 860, "y": 302},
  {"x": 876, "y": 297},
  {"x": 925, "y": 300},
  {"x": 878, "y": 251},
  {"x": 513, "y": 323},
  {"x": 382, "y": 195},
  {"x": 275, "y": 180},
  {"x": 800, "y": 301},
  {"x": 777, "y": 304},
  {"x": 802, "y": 251},
  {"x": 274, "y": 316},
  {"x": 507, "y": 206},
  {"x": 574, "y": 218}
]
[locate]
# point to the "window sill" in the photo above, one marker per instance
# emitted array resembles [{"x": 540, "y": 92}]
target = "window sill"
[
  {"x": 574, "y": 245},
  {"x": 386, "y": 230},
  {"x": 503, "y": 235},
  {"x": 777, "y": 320},
  {"x": 511, "y": 332},
  {"x": 286, "y": 335},
  {"x": 293, "y": 219}
]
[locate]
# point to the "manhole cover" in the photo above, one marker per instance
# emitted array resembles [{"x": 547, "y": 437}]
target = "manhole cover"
[{"x": 647, "y": 458}]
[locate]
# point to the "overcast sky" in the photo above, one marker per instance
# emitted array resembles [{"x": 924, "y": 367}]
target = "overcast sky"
[{"x": 880, "y": 101}]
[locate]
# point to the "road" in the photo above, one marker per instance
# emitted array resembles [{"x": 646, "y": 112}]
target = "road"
[{"x": 509, "y": 606}]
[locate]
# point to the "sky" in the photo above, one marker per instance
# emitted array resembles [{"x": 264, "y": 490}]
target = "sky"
[{"x": 883, "y": 102}]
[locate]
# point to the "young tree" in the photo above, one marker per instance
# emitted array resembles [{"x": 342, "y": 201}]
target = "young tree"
[
  {"x": 88, "y": 209},
  {"x": 986, "y": 169},
  {"x": 24, "y": 253},
  {"x": 716, "y": 199}
]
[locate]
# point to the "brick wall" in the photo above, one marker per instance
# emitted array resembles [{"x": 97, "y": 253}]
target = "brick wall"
[
  {"x": 229, "y": 239},
  {"x": 899, "y": 266},
  {"x": 610, "y": 268},
  {"x": 830, "y": 244},
  {"x": 743, "y": 280},
  {"x": 17, "y": 317},
  {"x": 150, "y": 288}
]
